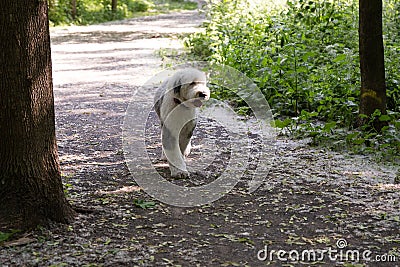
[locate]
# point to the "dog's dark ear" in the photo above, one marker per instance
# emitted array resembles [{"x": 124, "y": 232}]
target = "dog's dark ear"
[
  {"x": 157, "y": 105},
  {"x": 177, "y": 89},
  {"x": 177, "y": 86}
]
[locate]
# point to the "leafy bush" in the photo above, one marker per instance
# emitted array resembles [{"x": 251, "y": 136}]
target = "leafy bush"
[
  {"x": 96, "y": 11},
  {"x": 305, "y": 60},
  {"x": 392, "y": 52}
]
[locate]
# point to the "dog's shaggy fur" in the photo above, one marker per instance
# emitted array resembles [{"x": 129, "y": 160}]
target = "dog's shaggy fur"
[{"x": 175, "y": 103}]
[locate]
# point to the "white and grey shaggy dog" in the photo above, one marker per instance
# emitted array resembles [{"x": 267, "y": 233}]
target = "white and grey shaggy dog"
[{"x": 176, "y": 103}]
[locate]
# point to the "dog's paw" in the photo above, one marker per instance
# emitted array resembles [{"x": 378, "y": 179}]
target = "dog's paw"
[
  {"x": 180, "y": 174},
  {"x": 187, "y": 150},
  {"x": 186, "y": 153}
]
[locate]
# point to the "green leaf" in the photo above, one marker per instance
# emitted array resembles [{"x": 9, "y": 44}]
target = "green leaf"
[
  {"x": 339, "y": 58},
  {"x": 302, "y": 69},
  {"x": 329, "y": 126},
  {"x": 351, "y": 136},
  {"x": 358, "y": 141},
  {"x": 384, "y": 118},
  {"x": 144, "y": 204},
  {"x": 245, "y": 240},
  {"x": 282, "y": 124},
  {"x": 6, "y": 236},
  {"x": 308, "y": 55}
]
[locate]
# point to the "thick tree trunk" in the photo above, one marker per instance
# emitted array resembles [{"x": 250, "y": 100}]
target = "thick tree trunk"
[
  {"x": 31, "y": 190},
  {"x": 373, "y": 87}
]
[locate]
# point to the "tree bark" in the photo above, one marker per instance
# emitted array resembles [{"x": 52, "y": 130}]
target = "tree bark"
[
  {"x": 114, "y": 4},
  {"x": 31, "y": 190},
  {"x": 73, "y": 9},
  {"x": 373, "y": 87}
]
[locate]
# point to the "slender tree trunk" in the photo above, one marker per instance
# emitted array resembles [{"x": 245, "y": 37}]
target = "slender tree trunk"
[
  {"x": 114, "y": 4},
  {"x": 73, "y": 9},
  {"x": 31, "y": 190},
  {"x": 373, "y": 87}
]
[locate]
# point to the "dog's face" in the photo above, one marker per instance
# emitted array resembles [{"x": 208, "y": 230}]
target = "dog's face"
[{"x": 190, "y": 87}]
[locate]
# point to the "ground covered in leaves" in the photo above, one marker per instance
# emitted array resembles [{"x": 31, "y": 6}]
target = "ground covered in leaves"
[{"x": 315, "y": 207}]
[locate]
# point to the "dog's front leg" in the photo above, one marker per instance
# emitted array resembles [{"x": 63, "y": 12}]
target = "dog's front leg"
[
  {"x": 184, "y": 137},
  {"x": 173, "y": 153}
]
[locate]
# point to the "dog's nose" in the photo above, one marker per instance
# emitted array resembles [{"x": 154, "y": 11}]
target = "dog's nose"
[{"x": 201, "y": 95}]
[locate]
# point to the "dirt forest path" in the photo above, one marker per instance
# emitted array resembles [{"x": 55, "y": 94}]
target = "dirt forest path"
[
  {"x": 97, "y": 70},
  {"x": 312, "y": 200}
]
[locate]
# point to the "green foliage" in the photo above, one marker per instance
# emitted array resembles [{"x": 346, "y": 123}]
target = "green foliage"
[
  {"x": 93, "y": 11},
  {"x": 386, "y": 142},
  {"x": 6, "y": 236},
  {"x": 96, "y": 11},
  {"x": 304, "y": 57},
  {"x": 392, "y": 52}
]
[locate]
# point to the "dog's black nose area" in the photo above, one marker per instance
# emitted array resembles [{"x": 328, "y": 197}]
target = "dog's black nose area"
[{"x": 201, "y": 95}]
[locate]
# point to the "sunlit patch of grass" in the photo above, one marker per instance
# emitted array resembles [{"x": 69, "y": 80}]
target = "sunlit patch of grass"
[{"x": 98, "y": 11}]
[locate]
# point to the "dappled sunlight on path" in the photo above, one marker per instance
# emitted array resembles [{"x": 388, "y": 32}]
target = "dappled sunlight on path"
[
  {"x": 96, "y": 71},
  {"x": 121, "y": 51}
]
